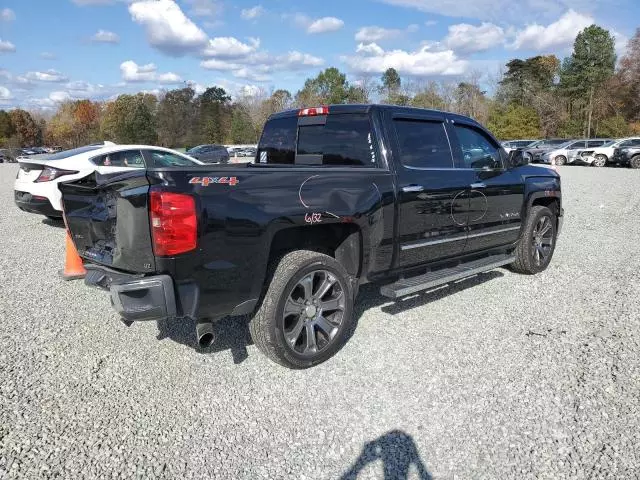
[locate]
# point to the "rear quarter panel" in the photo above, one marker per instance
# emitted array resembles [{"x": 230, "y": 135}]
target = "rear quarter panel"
[{"x": 242, "y": 209}]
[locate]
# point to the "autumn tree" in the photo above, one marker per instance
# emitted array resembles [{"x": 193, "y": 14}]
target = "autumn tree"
[
  {"x": 26, "y": 129},
  {"x": 130, "y": 119},
  {"x": 628, "y": 80},
  {"x": 176, "y": 117},
  {"x": 7, "y": 130},
  {"x": 513, "y": 122},
  {"x": 213, "y": 115},
  {"x": 591, "y": 64},
  {"x": 329, "y": 87}
]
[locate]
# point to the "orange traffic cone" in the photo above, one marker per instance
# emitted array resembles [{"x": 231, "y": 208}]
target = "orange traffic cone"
[{"x": 73, "y": 267}]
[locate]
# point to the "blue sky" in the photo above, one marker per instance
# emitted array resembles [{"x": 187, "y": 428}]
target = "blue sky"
[{"x": 55, "y": 50}]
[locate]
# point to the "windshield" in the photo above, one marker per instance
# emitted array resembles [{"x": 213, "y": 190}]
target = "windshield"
[
  {"x": 609, "y": 143},
  {"x": 74, "y": 151},
  {"x": 198, "y": 149}
]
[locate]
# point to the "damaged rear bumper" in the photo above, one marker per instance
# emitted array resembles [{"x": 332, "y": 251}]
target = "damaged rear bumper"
[{"x": 136, "y": 297}]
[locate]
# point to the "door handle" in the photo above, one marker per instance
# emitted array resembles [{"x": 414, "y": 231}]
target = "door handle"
[
  {"x": 412, "y": 188},
  {"x": 478, "y": 185}
]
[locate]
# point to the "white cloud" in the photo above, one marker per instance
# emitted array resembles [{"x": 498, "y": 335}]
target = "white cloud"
[
  {"x": 370, "y": 49},
  {"x": 620, "y": 43},
  {"x": 557, "y": 35},
  {"x": 169, "y": 78},
  {"x": 48, "y": 76},
  {"x": 167, "y": 27},
  {"x": 6, "y": 46},
  {"x": 422, "y": 62},
  {"x": 59, "y": 96},
  {"x": 132, "y": 72},
  {"x": 250, "y": 91},
  {"x": 105, "y": 36},
  {"x": 7, "y": 15},
  {"x": 324, "y": 25},
  {"x": 257, "y": 66},
  {"x": 230, "y": 47},
  {"x": 252, "y": 13},
  {"x": 430, "y": 23},
  {"x": 205, "y": 8},
  {"x": 48, "y": 56},
  {"x": 5, "y": 94},
  {"x": 467, "y": 38},
  {"x": 197, "y": 87},
  {"x": 500, "y": 11},
  {"x": 375, "y": 34}
]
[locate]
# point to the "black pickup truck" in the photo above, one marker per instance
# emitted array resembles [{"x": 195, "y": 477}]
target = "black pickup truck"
[{"x": 337, "y": 196}]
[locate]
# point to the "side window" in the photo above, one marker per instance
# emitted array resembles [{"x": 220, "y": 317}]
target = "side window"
[
  {"x": 345, "y": 139},
  {"x": 478, "y": 151},
  {"x": 126, "y": 158},
  {"x": 161, "y": 159},
  {"x": 278, "y": 141},
  {"x": 423, "y": 144},
  {"x": 595, "y": 143},
  {"x": 576, "y": 145}
]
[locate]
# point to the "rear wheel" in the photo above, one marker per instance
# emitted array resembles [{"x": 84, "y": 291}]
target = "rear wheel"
[
  {"x": 538, "y": 242},
  {"x": 560, "y": 160},
  {"x": 635, "y": 162},
  {"x": 599, "y": 160},
  {"x": 306, "y": 313}
]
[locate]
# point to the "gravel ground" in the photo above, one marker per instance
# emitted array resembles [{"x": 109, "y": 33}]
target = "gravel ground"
[{"x": 500, "y": 376}]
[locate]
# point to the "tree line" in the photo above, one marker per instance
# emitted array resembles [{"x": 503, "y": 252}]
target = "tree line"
[{"x": 587, "y": 94}]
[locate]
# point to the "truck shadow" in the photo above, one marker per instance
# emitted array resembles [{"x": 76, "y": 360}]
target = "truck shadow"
[
  {"x": 232, "y": 333},
  {"x": 398, "y": 453}
]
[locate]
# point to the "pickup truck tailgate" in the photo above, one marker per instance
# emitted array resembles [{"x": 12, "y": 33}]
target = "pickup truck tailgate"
[{"x": 108, "y": 219}]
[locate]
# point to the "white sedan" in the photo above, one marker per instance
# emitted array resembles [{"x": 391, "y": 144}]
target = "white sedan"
[{"x": 36, "y": 186}]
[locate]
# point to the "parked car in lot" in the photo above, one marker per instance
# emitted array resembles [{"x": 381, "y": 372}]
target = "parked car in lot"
[
  {"x": 36, "y": 186},
  {"x": 627, "y": 155},
  {"x": 533, "y": 153},
  {"x": 338, "y": 196},
  {"x": 568, "y": 152},
  {"x": 209, "y": 153},
  {"x": 600, "y": 156},
  {"x": 517, "y": 144}
]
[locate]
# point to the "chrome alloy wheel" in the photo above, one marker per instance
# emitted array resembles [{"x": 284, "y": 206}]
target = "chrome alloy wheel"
[
  {"x": 313, "y": 312},
  {"x": 542, "y": 243}
]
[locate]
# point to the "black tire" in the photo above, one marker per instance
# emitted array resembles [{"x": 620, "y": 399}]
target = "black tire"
[
  {"x": 526, "y": 257},
  {"x": 269, "y": 324},
  {"x": 599, "y": 160},
  {"x": 635, "y": 162},
  {"x": 560, "y": 160}
]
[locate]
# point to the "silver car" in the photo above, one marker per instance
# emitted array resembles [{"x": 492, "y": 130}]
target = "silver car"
[{"x": 569, "y": 151}]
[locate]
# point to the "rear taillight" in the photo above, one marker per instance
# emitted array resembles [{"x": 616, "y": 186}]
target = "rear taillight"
[
  {"x": 50, "y": 173},
  {"x": 174, "y": 226},
  {"x": 312, "y": 112}
]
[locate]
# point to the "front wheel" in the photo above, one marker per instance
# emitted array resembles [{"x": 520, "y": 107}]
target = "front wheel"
[
  {"x": 635, "y": 162},
  {"x": 599, "y": 160},
  {"x": 307, "y": 312},
  {"x": 560, "y": 160},
  {"x": 538, "y": 242}
]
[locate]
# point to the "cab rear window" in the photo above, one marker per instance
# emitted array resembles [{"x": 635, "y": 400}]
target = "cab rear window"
[{"x": 343, "y": 140}]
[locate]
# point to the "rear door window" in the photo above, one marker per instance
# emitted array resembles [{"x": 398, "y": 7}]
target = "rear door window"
[
  {"x": 595, "y": 143},
  {"x": 423, "y": 144},
  {"x": 161, "y": 159},
  {"x": 125, "y": 158}
]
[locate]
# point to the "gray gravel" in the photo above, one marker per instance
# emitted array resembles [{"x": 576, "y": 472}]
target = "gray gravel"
[{"x": 501, "y": 376}]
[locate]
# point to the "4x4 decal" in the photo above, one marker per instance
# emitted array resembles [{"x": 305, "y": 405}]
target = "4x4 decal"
[{"x": 206, "y": 181}]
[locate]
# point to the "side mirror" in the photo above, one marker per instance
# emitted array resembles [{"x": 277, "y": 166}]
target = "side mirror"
[{"x": 517, "y": 159}]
